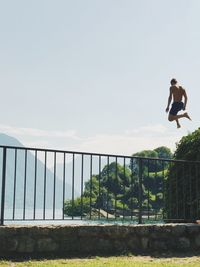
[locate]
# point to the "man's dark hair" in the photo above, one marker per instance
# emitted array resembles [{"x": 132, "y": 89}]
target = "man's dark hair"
[{"x": 173, "y": 81}]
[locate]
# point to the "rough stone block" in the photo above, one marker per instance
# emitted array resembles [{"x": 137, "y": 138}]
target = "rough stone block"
[
  {"x": 145, "y": 243},
  {"x": 64, "y": 231},
  {"x": 97, "y": 239},
  {"x": 133, "y": 243},
  {"x": 85, "y": 231},
  {"x": 143, "y": 230},
  {"x": 193, "y": 229},
  {"x": 104, "y": 245},
  {"x": 178, "y": 230},
  {"x": 26, "y": 244},
  {"x": 120, "y": 246},
  {"x": 183, "y": 243},
  {"x": 46, "y": 245},
  {"x": 11, "y": 244},
  {"x": 158, "y": 245},
  {"x": 88, "y": 245},
  {"x": 197, "y": 240},
  {"x": 69, "y": 244}
]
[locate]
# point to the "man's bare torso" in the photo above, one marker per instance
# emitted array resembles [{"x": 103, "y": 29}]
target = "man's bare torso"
[{"x": 177, "y": 92}]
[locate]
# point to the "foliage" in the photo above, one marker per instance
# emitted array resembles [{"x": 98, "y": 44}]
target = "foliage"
[
  {"x": 153, "y": 165},
  {"x": 188, "y": 147},
  {"x": 77, "y": 207},
  {"x": 164, "y": 152},
  {"x": 183, "y": 183},
  {"x": 116, "y": 188}
]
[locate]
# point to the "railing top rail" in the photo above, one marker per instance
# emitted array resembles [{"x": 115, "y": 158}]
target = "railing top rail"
[{"x": 94, "y": 154}]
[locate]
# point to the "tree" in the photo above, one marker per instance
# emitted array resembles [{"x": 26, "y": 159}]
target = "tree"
[
  {"x": 188, "y": 147},
  {"x": 164, "y": 152},
  {"x": 183, "y": 190},
  {"x": 116, "y": 188},
  {"x": 152, "y": 165},
  {"x": 78, "y": 207}
]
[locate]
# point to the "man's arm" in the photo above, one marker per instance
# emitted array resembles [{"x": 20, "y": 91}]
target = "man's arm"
[
  {"x": 185, "y": 99},
  {"x": 169, "y": 99}
]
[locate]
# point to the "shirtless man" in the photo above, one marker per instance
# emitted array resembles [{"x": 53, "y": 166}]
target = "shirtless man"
[{"x": 178, "y": 93}]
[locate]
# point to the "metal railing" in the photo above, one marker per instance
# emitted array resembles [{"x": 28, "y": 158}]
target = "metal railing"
[{"x": 45, "y": 184}]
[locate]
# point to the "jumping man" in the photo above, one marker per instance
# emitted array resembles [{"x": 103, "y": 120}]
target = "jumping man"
[{"x": 178, "y": 93}]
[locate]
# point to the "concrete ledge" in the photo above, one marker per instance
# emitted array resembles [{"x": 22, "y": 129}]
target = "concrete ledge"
[{"x": 88, "y": 240}]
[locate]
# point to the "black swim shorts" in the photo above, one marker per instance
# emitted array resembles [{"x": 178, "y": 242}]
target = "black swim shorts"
[{"x": 176, "y": 107}]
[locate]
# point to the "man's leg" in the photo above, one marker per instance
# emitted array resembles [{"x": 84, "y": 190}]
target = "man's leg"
[
  {"x": 178, "y": 124},
  {"x": 187, "y": 116},
  {"x": 177, "y": 117}
]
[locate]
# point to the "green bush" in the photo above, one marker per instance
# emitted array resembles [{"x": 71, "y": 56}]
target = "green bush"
[
  {"x": 183, "y": 185},
  {"x": 78, "y": 207}
]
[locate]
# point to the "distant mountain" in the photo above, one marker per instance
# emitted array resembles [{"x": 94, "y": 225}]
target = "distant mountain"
[
  {"x": 79, "y": 178},
  {"x": 28, "y": 181},
  {"x": 28, "y": 194},
  {"x": 9, "y": 140}
]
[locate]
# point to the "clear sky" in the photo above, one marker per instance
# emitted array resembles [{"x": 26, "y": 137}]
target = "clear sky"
[{"x": 93, "y": 75}]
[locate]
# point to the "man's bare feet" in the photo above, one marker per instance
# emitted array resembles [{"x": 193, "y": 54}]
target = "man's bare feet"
[{"x": 187, "y": 116}]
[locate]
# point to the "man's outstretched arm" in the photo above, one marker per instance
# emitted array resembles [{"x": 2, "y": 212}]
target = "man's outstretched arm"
[
  {"x": 169, "y": 100},
  {"x": 185, "y": 100}
]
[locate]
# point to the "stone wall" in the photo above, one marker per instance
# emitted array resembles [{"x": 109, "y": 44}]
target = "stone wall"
[{"x": 88, "y": 240}]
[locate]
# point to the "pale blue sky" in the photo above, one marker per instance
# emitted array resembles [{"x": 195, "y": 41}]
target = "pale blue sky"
[{"x": 94, "y": 74}]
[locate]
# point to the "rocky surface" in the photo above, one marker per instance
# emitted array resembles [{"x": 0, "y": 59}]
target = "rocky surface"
[{"x": 76, "y": 240}]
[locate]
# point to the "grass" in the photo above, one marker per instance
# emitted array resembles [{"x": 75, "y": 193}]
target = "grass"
[{"x": 131, "y": 261}]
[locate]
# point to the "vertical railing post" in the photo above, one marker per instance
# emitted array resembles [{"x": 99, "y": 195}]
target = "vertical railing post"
[
  {"x": 3, "y": 185},
  {"x": 140, "y": 192}
]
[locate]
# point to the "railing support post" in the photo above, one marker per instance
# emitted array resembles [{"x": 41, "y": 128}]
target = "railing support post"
[
  {"x": 3, "y": 186},
  {"x": 140, "y": 192}
]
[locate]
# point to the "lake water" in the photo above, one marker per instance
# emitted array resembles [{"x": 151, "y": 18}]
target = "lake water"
[{"x": 29, "y": 215}]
